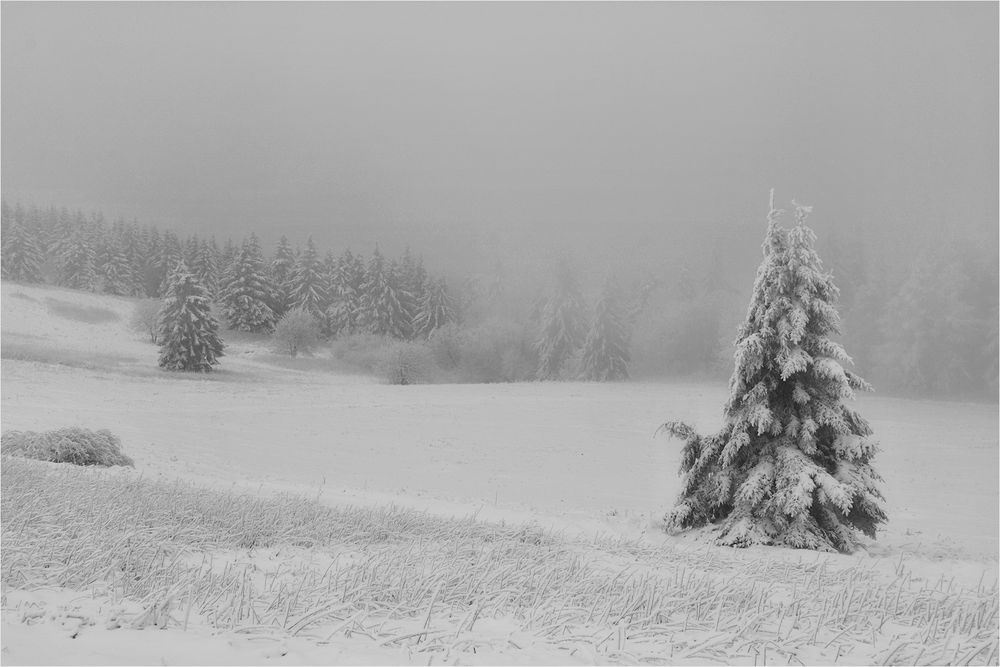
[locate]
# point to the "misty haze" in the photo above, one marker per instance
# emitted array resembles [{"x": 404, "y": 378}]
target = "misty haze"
[{"x": 500, "y": 333}]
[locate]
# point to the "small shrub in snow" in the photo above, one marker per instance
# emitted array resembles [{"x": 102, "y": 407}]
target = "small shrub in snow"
[
  {"x": 445, "y": 344},
  {"x": 296, "y": 332},
  {"x": 406, "y": 363},
  {"x": 78, "y": 446},
  {"x": 361, "y": 350},
  {"x": 496, "y": 351},
  {"x": 146, "y": 319}
]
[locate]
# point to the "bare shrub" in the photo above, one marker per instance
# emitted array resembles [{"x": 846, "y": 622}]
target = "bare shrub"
[
  {"x": 445, "y": 344},
  {"x": 146, "y": 319},
  {"x": 78, "y": 446},
  {"x": 496, "y": 351},
  {"x": 297, "y": 331},
  {"x": 361, "y": 350},
  {"x": 406, "y": 363}
]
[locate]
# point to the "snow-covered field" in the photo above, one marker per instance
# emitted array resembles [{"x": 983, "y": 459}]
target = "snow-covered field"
[{"x": 579, "y": 459}]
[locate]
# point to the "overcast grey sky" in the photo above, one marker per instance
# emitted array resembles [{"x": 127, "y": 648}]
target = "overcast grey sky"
[{"x": 503, "y": 125}]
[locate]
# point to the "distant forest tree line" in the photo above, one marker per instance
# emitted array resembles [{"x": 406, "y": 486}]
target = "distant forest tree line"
[{"x": 922, "y": 327}]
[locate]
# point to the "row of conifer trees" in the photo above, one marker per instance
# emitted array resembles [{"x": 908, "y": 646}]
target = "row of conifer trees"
[{"x": 345, "y": 294}]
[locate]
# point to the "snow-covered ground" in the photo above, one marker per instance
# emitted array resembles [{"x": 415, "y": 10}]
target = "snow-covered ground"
[{"x": 579, "y": 458}]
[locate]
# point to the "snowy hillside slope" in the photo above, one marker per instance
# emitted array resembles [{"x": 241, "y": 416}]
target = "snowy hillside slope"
[
  {"x": 80, "y": 326},
  {"x": 565, "y": 452},
  {"x": 576, "y": 458}
]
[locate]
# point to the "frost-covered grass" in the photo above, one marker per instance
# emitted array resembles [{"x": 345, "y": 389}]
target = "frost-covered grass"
[
  {"x": 40, "y": 353},
  {"x": 78, "y": 446},
  {"x": 288, "y": 565},
  {"x": 81, "y": 313}
]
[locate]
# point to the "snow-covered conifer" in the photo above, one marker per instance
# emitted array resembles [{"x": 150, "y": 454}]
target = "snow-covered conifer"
[
  {"x": 229, "y": 253},
  {"x": 380, "y": 309},
  {"x": 282, "y": 269},
  {"x": 792, "y": 463},
  {"x": 246, "y": 292},
  {"x": 344, "y": 312},
  {"x": 436, "y": 309},
  {"x": 115, "y": 270},
  {"x": 77, "y": 265},
  {"x": 412, "y": 281},
  {"x": 171, "y": 254},
  {"x": 307, "y": 287},
  {"x": 605, "y": 352},
  {"x": 562, "y": 322},
  {"x": 205, "y": 266},
  {"x": 21, "y": 257},
  {"x": 189, "y": 335}
]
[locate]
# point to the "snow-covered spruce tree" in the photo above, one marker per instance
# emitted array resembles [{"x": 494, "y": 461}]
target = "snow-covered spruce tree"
[
  {"x": 21, "y": 255},
  {"x": 189, "y": 335},
  {"x": 171, "y": 254},
  {"x": 282, "y": 267},
  {"x": 605, "y": 352},
  {"x": 115, "y": 270},
  {"x": 412, "y": 279},
  {"x": 77, "y": 265},
  {"x": 792, "y": 463},
  {"x": 245, "y": 291},
  {"x": 562, "y": 323},
  {"x": 380, "y": 311},
  {"x": 205, "y": 266},
  {"x": 307, "y": 286},
  {"x": 345, "y": 287},
  {"x": 437, "y": 308}
]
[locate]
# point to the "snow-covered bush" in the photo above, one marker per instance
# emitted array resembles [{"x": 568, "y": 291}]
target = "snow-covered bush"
[
  {"x": 78, "y": 446},
  {"x": 446, "y": 346},
  {"x": 146, "y": 319},
  {"x": 361, "y": 350},
  {"x": 297, "y": 331},
  {"x": 406, "y": 363},
  {"x": 496, "y": 351}
]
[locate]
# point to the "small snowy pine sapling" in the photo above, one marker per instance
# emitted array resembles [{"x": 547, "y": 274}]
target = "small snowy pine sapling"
[{"x": 792, "y": 463}]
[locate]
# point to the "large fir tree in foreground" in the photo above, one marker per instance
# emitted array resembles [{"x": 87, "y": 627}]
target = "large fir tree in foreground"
[
  {"x": 792, "y": 463},
  {"x": 189, "y": 335}
]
